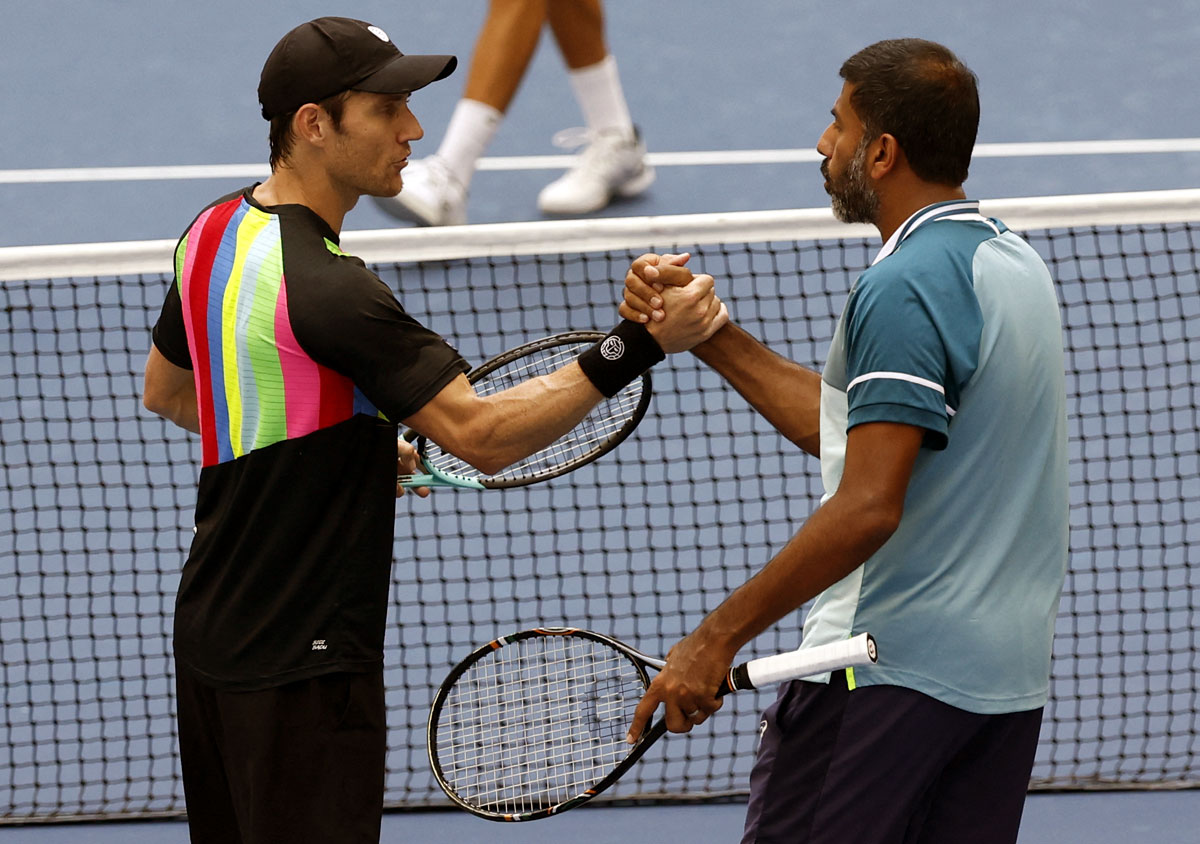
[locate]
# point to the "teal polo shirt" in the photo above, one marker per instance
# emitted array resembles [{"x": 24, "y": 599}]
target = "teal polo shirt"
[{"x": 955, "y": 328}]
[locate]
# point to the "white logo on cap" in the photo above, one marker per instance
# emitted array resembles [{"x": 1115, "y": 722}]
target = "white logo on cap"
[{"x": 378, "y": 33}]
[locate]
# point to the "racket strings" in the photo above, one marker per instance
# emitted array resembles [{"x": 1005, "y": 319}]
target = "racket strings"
[
  {"x": 603, "y": 422},
  {"x": 537, "y": 723}
]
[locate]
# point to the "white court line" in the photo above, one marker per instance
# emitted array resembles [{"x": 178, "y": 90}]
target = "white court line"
[{"x": 561, "y": 162}]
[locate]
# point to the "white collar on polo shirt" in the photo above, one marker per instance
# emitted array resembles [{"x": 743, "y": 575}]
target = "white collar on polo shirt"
[{"x": 959, "y": 209}]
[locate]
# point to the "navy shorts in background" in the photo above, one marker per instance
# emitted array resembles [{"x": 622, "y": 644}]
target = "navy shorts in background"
[{"x": 887, "y": 765}]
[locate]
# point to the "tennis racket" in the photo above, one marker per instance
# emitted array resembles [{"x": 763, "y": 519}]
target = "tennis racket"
[
  {"x": 600, "y": 432},
  {"x": 534, "y": 724}
]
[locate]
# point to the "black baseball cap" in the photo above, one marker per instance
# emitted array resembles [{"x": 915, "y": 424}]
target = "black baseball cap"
[{"x": 329, "y": 55}]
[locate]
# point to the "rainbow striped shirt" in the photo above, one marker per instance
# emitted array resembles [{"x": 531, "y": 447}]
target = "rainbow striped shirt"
[
  {"x": 255, "y": 383},
  {"x": 303, "y": 362}
]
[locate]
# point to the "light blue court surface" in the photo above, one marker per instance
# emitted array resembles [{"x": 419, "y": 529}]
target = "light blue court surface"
[
  {"x": 1098, "y": 818},
  {"x": 140, "y": 83}
]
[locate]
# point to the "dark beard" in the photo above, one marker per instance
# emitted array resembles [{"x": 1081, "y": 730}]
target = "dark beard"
[{"x": 851, "y": 196}]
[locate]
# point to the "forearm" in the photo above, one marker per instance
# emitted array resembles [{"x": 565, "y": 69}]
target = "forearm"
[
  {"x": 494, "y": 431},
  {"x": 834, "y": 541},
  {"x": 838, "y": 538},
  {"x": 787, "y": 394},
  {"x": 523, "y": 420}
]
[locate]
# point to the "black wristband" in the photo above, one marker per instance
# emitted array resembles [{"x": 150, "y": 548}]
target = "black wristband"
[{"x": 623, "y": 355}]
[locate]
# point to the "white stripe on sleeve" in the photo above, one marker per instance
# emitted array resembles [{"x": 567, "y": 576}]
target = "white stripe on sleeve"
[{"x": 900, "y": 376}]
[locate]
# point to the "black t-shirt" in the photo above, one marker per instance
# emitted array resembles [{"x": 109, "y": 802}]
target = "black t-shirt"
[{"x": 304, "y": 364}]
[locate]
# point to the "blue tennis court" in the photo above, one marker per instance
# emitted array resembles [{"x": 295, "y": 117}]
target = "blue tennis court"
[
  {"x": 1075, "y": 100},
  {"x": 1048, "y": 819},
  {"x": 143, "y": 85}
]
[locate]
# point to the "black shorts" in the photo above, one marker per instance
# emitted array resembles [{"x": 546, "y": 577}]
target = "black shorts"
[
  {"x": 887, "y": 765},
  {"x": 301, "y": 763}
]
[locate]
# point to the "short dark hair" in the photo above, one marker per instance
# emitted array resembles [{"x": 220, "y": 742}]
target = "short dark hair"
[
  {"x": 923, "y": 95},
  {"x": 281, "y": 137}
]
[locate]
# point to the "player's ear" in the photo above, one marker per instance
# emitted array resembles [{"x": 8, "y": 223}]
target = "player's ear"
[
  {"x": 883, "y": 156},
  {"x": 309, "y": 123}
]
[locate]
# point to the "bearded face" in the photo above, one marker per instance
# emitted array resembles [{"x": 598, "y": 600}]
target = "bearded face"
[{"x": 852, "y": 197}]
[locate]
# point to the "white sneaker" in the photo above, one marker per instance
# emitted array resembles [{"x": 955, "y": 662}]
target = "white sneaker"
[
  {"x": 613, "y": 164},
  {"x": 431, "y": 195}
]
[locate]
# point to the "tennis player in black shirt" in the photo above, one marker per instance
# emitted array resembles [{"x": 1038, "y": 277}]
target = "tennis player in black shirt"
[{"x": 295, "y": 364}]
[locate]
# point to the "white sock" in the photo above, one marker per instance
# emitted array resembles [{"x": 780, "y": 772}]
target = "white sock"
[
  {"x": 471, "y": 129},
  {"x": 598, "y": 91}
]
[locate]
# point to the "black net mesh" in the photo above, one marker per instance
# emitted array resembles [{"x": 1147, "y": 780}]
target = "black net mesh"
[{"x": 99, "y": 497}]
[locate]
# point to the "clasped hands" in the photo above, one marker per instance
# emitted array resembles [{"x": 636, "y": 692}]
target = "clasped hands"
[{"x": 679, "y": 309}]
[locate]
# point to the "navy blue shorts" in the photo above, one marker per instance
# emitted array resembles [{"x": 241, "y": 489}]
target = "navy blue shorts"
[
  {"x": 887, "y": 765},
  {"x": 301, "y": 763}
]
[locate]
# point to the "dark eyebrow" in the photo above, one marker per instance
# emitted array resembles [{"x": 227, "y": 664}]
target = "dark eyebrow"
[{"x": 388, "y": 102}]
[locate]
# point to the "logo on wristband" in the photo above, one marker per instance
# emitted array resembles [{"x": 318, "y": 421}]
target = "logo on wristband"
[{"x": 612, "y": 348}]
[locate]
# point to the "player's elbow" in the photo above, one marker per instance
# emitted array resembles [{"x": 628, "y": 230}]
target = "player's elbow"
[
  {"x": 879, "y": 519},
  {"x": 480, "y": 446},
  {"x": 492, "y": 467},
  {"x": 169, "y": 391},
  {"x": 486, "y": 464},
  {"x": 874, "y": 517},
  {"x": 177, "y": 407},
  {"x": 489, "y": 458},
  {"x": 156, "y": 401}
]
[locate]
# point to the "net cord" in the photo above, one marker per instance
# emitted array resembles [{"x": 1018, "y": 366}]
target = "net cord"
[{"x": 564, "y": 236}]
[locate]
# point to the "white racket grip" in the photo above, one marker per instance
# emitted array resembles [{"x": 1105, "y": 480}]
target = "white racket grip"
[{"x": 805, "y": 662}]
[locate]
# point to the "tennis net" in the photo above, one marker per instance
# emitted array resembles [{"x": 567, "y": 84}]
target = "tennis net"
[{"x": 99, "y": 494}]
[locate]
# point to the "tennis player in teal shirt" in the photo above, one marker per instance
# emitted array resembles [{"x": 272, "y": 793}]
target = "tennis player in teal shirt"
[{"x": 940, "y": 423}]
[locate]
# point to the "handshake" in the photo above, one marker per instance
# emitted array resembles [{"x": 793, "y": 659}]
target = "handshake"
[{"x": 679, "y": 309}]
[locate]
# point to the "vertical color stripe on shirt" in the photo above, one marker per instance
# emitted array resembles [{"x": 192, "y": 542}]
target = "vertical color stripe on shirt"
[{"x": 255, "y": 383}]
